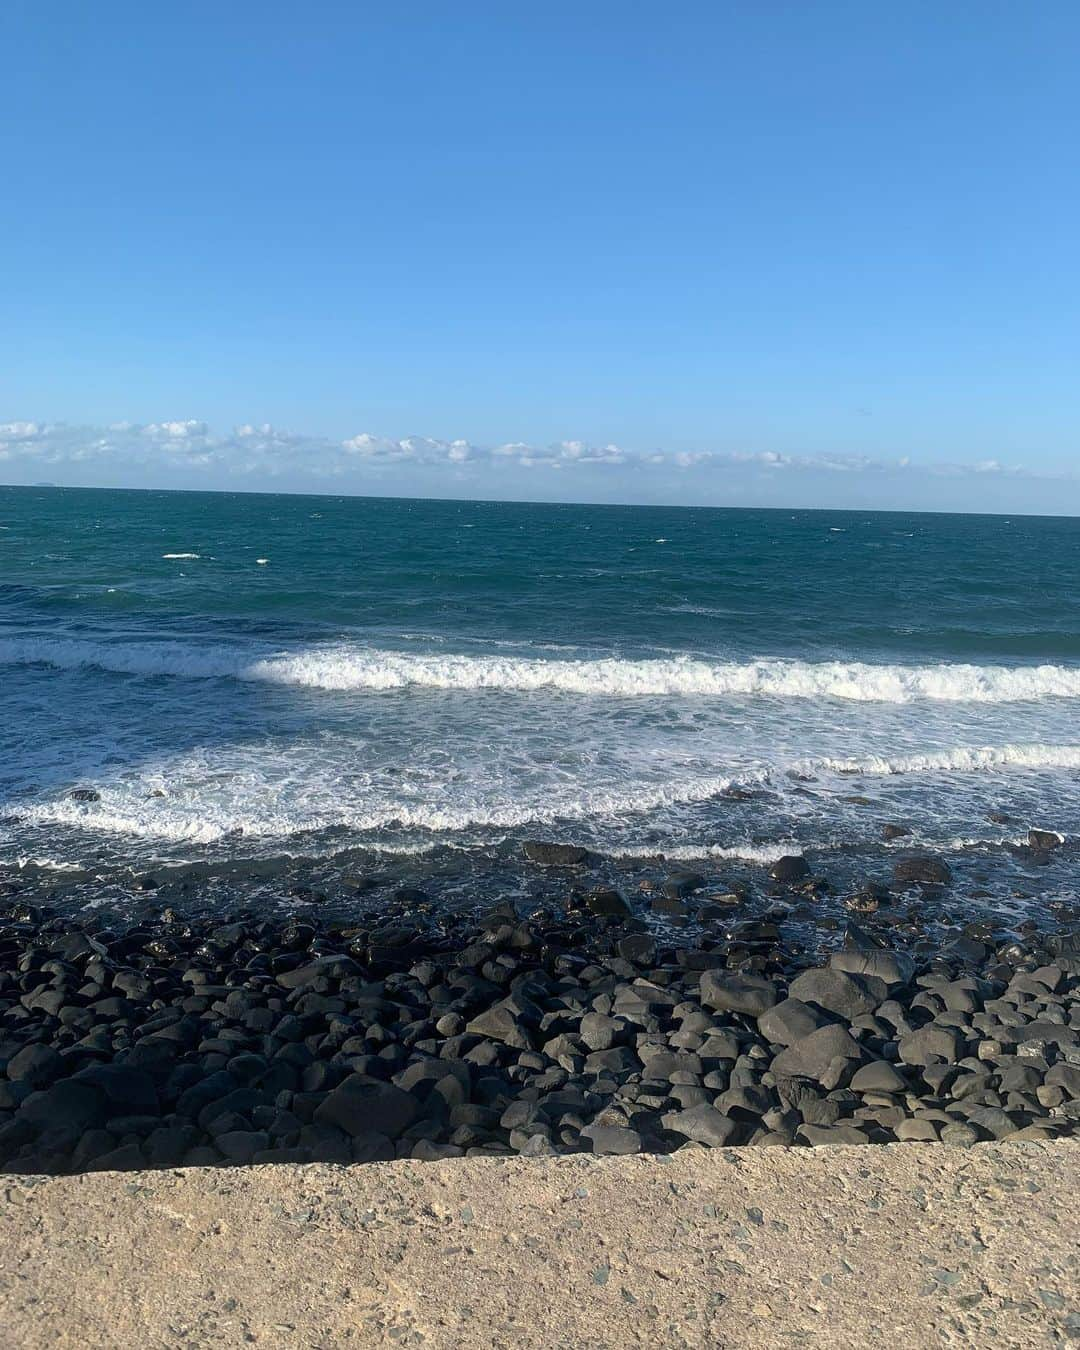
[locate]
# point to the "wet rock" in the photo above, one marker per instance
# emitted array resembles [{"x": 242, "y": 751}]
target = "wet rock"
[
  {"x": 184, "y": 1032},
  {"x": 1045, "y": 839},
  {"x": 554, "y": 855},
  {"x": 607, "y": 901},
  {"x": 790, "y": 869},
  {"x": 85, "y": 795},
  {"x": 681, "y": 884},
  {"x": 921, "y": 871},
  {"x": 665, "y": 907},
  {"x": 639, "y": 948},
  {"x": 890, "y": 832}
]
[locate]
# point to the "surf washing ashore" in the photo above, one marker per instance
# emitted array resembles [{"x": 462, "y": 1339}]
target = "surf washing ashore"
[{"x": 353, "y": 829}]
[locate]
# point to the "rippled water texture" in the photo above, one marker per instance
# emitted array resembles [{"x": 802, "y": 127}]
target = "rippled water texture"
[{"x": 257, "y": 675}]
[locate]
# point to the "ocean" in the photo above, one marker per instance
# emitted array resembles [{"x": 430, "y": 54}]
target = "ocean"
[{"x": 233, "y": 684}]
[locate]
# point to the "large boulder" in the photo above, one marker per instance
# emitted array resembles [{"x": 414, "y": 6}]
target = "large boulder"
[
  {"x": 878, "y": 1076},
  {"x": 612, "y": 1139},
  {"x": 67, "y": 1105},
  {"x": 848, "y": 996},
  {"x": 931, "y": 1045},
  {"x": 363, "y": 1106},
  {"x": 505, "y": 1024},
  {"x": 813, "y": 1055},
  {"x": 333, "y": 966},
  {"x": 702, "y": 1124},
  {"x": 36, "y": 1065},
  {"x": 790, "y": 1020},
  {"x": 891, "y": 967},
  {"x": 130, "y": 1091},
  {"x": 724, "y": 992}
]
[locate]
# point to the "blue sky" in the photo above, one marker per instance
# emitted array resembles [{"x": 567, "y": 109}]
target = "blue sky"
[{"x": 754, "y": 253}]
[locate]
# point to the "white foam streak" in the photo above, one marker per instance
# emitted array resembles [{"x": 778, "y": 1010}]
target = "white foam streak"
[
  {"x": 765, "y": 854},
  {"x": 962, "y": 760},
  {"x": 124, "y": 812},
  {"x": 354, "y": 668}
]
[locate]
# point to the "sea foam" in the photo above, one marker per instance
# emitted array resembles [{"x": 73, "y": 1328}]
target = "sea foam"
[
  {"x": 962, "y": 759},
  {"x": 347, "y": 667},
  {"x": 125, "y": 810}
]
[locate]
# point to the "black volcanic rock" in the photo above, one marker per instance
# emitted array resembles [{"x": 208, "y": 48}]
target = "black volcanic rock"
[
  {"x": 554, "y": 855},
  {"x": 748, "y": 994},
  {"x": 364, "y": 1106},
  {"x": 790, "y": 869},
  {"x": 922, "y": 871}
]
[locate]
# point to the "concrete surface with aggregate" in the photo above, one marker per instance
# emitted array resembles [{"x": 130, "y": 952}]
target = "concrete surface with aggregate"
[{"x": 839, "y": 1246}]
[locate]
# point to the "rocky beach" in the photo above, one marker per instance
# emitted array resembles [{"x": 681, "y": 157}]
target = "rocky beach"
[{"x": 677, "y": 1015}]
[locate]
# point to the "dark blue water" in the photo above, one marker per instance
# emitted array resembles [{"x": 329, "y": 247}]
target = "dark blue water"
[{"x": 240, "y": 674}]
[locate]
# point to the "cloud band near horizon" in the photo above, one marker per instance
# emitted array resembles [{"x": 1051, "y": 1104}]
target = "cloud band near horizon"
[{"x": 254, "y": 452}]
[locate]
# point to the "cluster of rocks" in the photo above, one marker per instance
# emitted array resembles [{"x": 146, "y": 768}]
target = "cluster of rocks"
[{"x": 192, "y": 1041}]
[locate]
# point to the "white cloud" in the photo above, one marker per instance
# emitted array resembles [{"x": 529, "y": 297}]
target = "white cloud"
[
  {"x": 19, "y": 431},
  {"x": 187, "y": 449}
]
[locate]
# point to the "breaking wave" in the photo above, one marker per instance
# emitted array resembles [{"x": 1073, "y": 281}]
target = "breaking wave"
[
  {"x": 123, "y": 812},
  {"x": 961, "y": 760},
  {"x": 356, "y": 668}
]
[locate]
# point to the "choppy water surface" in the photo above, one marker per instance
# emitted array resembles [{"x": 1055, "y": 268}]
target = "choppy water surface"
[{"x": 253, "y": 677}]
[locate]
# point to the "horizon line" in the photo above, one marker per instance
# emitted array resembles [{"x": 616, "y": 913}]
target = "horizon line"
[{"x": 533, "y": 501}]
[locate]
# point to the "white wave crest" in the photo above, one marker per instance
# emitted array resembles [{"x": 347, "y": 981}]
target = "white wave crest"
[
  {"x": 962, "y": 759},
  {"x": 355, "y": 668},
  {"x": 180, "y": 555},
  {"x": 763, "y": 854},
  {"x": 184, "y": 818}
]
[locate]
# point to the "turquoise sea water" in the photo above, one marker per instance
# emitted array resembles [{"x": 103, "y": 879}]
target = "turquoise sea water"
[{"x": 242, "y": 675}]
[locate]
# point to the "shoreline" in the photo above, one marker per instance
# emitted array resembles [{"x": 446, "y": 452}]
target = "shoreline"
[{"x": 578, "y": 1027}]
